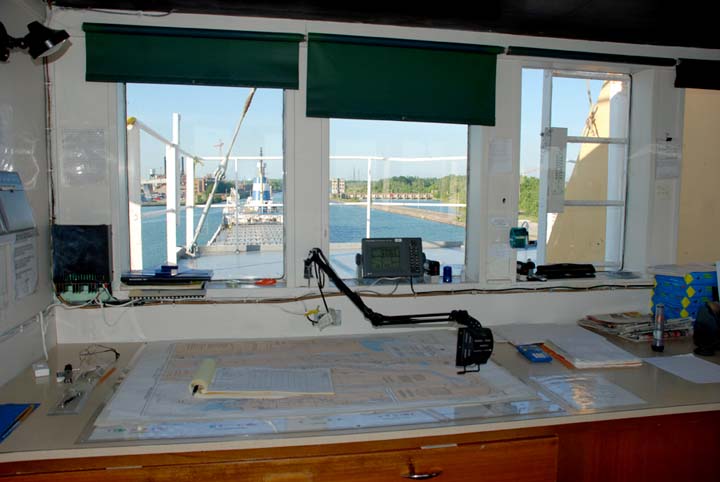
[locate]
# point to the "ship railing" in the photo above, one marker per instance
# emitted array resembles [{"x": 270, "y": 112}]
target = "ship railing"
[{"x": 175, "y": 155}]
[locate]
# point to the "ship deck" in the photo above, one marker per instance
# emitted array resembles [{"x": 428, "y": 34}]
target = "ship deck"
[{"x": 247, "y": 237}]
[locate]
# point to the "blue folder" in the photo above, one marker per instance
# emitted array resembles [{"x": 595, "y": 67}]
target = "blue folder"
[{"x": 11, "y": 415}]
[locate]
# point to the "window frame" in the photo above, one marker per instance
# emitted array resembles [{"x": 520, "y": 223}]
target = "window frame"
[
  {"x": 546, "y": 123},
  {"x": 128, "y": 172},
  {"x": 307, "y": 184},
  {"x": 372, "y": 161}
]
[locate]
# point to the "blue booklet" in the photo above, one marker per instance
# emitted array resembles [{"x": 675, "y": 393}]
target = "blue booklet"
[{"x": 12, "y": 414}]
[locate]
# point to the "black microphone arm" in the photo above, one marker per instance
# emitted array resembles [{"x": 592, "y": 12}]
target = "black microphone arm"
[{"x": 474, "y": 344}]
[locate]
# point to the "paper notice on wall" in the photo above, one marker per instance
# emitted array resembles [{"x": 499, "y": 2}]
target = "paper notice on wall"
[
  {"x": 667, "y": 159},
  {"x": 84, "y": 157},
  {"x": 25, "y": 263},
  {"x": 500, "y": 156},
  {"x": 554, "y": 152},
  {"x": 499, "y": 251}
]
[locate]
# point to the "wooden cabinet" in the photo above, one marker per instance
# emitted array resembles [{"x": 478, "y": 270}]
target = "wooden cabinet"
[
  {"x": 667, "y": 448},
  {"x": 529, "y": 460}
]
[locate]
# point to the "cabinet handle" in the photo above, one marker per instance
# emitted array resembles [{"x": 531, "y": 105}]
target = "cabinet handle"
[
  {"x": 412, "y": 475},
  {"x": 429, "y": 475}
]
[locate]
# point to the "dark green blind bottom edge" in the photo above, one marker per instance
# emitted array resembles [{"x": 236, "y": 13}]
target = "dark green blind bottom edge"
[
  {"x": 108, "y": 28},
  {"x": 394, "y": 42},
  {"x": 485, "y": 121},
  {"x": 161, "y": 55},
  {"x": 591, "y": 56},
  {"x": 184, "y": 80}
]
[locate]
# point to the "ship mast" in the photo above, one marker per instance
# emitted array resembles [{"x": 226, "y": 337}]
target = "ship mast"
[{"x": 220, "y": 173}]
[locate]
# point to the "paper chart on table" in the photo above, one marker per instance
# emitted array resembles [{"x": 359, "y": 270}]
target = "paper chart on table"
[{"x": 369, "y": 373}]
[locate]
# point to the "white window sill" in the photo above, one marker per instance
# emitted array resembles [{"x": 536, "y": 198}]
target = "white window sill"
[{"x": 248, "y": 291}]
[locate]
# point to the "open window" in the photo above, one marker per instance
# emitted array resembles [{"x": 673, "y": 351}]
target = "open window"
[{"x": 574, "y": 166}]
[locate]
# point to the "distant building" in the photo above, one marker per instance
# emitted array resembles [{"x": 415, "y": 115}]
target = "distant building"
[{"x": 337, "y": 187}]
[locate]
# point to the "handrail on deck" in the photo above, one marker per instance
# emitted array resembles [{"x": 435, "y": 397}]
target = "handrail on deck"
[{"x": 172, "y": 182}]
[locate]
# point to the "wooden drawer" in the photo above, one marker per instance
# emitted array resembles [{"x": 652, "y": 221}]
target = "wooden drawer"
[{"x": 529, "y": 460}]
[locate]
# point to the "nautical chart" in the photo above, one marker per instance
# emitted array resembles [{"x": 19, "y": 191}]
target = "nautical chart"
[{"x": 372, "y": 375}]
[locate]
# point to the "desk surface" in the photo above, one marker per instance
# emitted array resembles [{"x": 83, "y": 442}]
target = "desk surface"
[{"x": 43, "y": 437}]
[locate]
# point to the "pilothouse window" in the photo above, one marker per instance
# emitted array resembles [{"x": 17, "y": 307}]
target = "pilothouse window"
[
  {"x": 573, "y": 165},
  {"x": 206, "y": 179},
  {"x": 397, "y": 179}
]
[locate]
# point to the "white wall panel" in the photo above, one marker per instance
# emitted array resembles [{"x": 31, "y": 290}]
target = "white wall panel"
[{"x": 23, "y": 149}]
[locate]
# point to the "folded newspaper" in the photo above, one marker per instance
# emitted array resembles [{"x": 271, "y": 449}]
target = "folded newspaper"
[{"x": 635, "y": 326}]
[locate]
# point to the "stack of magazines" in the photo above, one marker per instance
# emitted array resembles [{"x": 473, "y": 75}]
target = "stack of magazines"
[{"x": 636, "y": 326}]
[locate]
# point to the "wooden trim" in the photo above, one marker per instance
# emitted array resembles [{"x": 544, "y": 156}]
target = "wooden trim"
[{"x": 574, "y": 440}]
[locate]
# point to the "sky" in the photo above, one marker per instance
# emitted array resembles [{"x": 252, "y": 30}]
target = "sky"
[{"x": 209, "y": 116}]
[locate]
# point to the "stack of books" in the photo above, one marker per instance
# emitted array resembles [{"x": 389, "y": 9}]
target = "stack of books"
[
  {"x": 683, "y": 289},
  {"x": 636, "y": 326}
]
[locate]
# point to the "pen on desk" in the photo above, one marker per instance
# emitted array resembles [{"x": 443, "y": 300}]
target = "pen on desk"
[
  {"x": 106, "y": 376},
  {"x": 70, "y": 399}
]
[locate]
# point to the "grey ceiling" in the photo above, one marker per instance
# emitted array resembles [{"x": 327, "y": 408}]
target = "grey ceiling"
[{"x": 659, "y": 22}]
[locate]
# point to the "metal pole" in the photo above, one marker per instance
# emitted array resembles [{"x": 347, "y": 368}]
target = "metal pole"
[
  {"x": 189, "y": 201},
  {"x": 543, "y": 231},
  {"x": 220, "y": 172},
  {"x": 237, "y": 207},
  {"x": 172, "y": 199},
  {"x": 134, "y": 196},
  {"x": 369, "y": 198}
]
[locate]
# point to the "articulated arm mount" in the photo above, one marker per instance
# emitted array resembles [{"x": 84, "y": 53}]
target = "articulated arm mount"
[{"x": 474, "y": 344}]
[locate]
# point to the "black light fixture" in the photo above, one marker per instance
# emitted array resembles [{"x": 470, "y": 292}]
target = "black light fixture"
[{"x": 40, "y": 41}]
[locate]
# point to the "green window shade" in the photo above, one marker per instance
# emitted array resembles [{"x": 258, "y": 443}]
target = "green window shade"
[
  {"x": 121, "y": 53},
  {"x": 388, "y": 79}
]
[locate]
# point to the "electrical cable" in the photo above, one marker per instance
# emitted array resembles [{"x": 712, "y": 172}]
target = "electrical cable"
[
  {"x": 320, "y": 277},
  {"x": 96, "y": 349},
  {"x": 43, "y": 332}
]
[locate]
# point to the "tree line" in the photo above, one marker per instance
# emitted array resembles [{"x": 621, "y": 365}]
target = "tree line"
[{"x": 450, "y": 188}]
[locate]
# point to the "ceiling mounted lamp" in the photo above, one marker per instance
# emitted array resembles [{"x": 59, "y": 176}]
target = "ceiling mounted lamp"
[{"x": 40, "y": 41}]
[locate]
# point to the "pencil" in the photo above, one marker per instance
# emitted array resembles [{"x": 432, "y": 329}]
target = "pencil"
[{"x": 106, "y": 376}]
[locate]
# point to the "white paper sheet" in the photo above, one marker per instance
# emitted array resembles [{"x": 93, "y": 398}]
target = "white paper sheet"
[
  {"x": 261, "y": 379},
  {"x": 25, "y": 263},
  {"x": 500, "y": 155},
  {"x": 689, "y": 367},
  {"x": 668, "y": 155}
]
